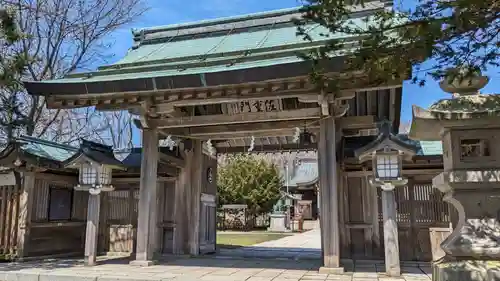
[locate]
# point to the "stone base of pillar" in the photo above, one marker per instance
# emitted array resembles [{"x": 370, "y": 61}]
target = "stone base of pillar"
[
  {"x": 278, "y": 223},
  {"x": 142, "y": 263},
  {"x": 472, "y": 270},
  {"x": 89, "y": 261},
  {"x": 331, "y": 270}
]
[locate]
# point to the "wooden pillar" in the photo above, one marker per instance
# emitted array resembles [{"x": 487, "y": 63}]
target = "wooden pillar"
[
  {"x": 147, "y": 224},
  {"x": 329, "y": 217},
  {"x": 182, "y": 186},
  {"x": 103, "y": 230},
  {"x": 25, "y": 211},
  {"x": 195, "y": 198},
  {"x": 91, "y": 234},
  {"x": 391, "y": 243},
  {"x": 160, "y": 211},
  {"x": 188, "y": 202}
]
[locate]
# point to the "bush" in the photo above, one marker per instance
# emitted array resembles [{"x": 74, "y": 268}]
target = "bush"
[{"x": 250, "y": 181}]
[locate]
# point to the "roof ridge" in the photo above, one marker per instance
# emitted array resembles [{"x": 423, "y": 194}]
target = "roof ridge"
[
  {"x": 45, "y": 142},
  {"x": 222, "y": 20},
  {"x": 248, "y": 16},
  {"x": 158, "y": 34}
]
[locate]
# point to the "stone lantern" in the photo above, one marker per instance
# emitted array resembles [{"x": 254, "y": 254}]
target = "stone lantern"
[
  {"x": 95, "y": 163},
  {"x": 387, "y": 153},
  {"x": 468, "y": 124}
]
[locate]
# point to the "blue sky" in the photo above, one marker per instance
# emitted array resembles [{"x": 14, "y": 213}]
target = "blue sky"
[{"x": 179, "y": 11}]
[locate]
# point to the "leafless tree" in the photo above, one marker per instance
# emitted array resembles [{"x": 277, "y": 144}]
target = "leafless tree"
[
  {"x": 64, "y": 36},
  {"x": 404, "y": 127}
]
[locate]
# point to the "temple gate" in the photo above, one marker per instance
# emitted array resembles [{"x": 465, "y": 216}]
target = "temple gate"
[{"x": 227, "y": 86}]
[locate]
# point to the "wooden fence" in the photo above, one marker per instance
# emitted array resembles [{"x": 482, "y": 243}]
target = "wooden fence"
[
  {"x": 119, "y": 219},
  {"x": 236, "y": 217},
  {"x": 9, "y": 213},
  {"x": 420, "y": 208}
]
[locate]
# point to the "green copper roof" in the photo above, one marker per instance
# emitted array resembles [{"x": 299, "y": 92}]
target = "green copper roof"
[
  {"x": 46, "y": 149},
  {"x": 431, "y": 148},
  {"x": 60, "y": 153},
  {"x": 243, "y": 42},
  {"x": 423, "y": 148},
  {"x": 302, "y": 175}
]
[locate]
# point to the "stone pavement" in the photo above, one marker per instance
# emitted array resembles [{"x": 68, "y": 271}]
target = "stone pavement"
[
  {"x": 306, "y": 245},
  {"x": 204, "y": 268}
]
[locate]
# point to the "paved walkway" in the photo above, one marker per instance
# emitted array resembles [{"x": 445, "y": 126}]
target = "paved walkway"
[
  {"x": 205, "y": 269},
  {"x": 305, "y": 245}
]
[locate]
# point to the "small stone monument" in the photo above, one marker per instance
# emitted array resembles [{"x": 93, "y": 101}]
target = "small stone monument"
[
  {"x": 468, "y": 124},
  {"x": 278, "y": 218}
]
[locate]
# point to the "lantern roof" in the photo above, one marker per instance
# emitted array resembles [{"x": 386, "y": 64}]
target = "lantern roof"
[
  {"x": 465, "y": 106},
  {"x": 385, "y": 139},
  {"x": 95, "y": 153}
]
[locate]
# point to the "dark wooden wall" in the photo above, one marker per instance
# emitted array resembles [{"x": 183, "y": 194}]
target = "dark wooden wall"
[{"x": 49, "y": 237}]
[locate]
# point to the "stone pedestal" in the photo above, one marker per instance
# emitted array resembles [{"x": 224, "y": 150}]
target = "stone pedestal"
[
  {"x": 474, "y": 245},
  {"x": 468, "y": 124},
  {"x": 278, "y": 223},
  {"x": 467, "y": 270}
]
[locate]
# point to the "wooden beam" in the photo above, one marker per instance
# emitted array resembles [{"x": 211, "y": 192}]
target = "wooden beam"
[
  {"x": 233, "y": 98},
  {"x": 257, "y": 135},
  {"x": 266, "y": 129},
  {"x": 169, "y": 159},
  {"x": 356, "y": 122},
  {"x": 267, "y": 148},
  {"x": 179, "y": 100},
  {"x": 137, "y": 179},
  {"x": 201, "y": 132},
  {"x": 328, "y": 97},
  {"x": 411, "y": 172},
  {"x": 223, "y": 119}
]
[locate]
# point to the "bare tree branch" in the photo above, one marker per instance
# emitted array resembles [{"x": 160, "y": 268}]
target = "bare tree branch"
[{"x": 60, "y": 37}]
